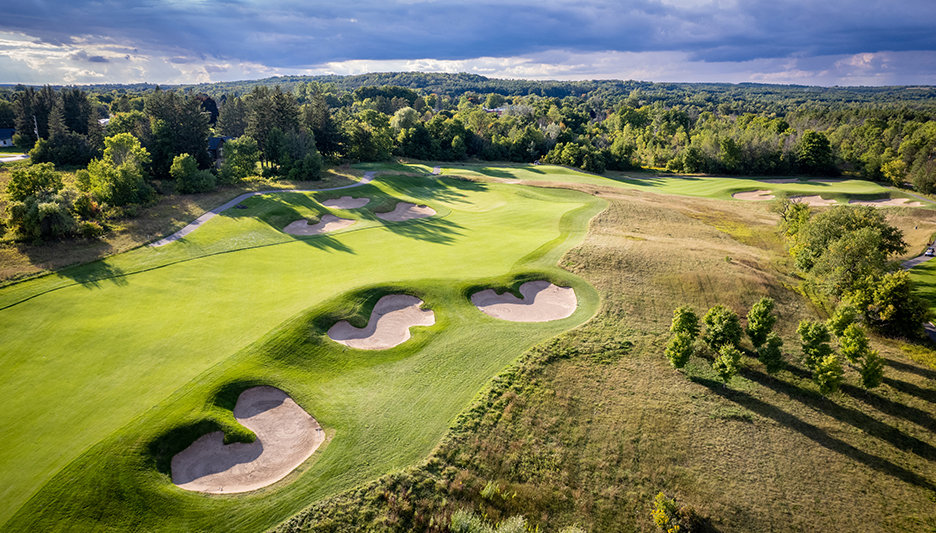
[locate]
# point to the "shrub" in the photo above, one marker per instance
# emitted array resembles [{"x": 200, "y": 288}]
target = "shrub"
[
  {"x": 727, "y": 363},
  {"x": 853, "y": 344},
  {"x": 189, "y": 179},
  {"x": 679, "y": 349},
  {"x": 828, "y": 374},
  {"x": 815, "y": 342},
  {"x": 90, "y": 229},
  {"x": 685, "y": 320},
  {"x": 845, "y": 315},
  {"x": 722, "y": 326},
  {"x": 760, "y": 321},
  {"x": 770, "y": 353},
  {"x": 872, "y": 370}
]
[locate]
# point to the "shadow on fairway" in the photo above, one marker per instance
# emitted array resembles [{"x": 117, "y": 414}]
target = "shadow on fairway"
[
  {"x": 93, "y": 275},
  {"x": 814, "y": 433},
  {"x": 430, "y": 187}
]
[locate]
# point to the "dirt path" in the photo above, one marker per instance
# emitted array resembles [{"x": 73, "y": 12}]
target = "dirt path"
[{"x": 368, "y": 177}]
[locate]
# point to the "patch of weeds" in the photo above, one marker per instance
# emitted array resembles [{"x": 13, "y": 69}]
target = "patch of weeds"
[
  {"x": 920, "y": 353},
  {"x": 732, "y": 413}
]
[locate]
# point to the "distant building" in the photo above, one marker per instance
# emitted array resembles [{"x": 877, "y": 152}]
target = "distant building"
[
  {"x": 216, "y": 149},
  {"x": 6, "y": 136}
]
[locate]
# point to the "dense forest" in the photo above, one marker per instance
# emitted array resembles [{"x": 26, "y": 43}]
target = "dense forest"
[{"x": 120, "y": 138}]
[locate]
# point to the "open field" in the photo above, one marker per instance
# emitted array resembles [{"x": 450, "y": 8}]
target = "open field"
[
  {"x": 140, "y": 345},
  {"x": 149, "y": 350}
]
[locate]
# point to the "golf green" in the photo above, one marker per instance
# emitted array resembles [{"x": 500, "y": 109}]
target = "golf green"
[{"x": 109, "y": 366}]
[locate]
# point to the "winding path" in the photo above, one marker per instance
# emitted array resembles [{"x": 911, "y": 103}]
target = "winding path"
[{"x": 368, "y": 177}]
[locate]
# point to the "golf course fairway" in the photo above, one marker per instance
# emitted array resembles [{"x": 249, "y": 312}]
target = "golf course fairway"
[{"x": 113, "y": 367}]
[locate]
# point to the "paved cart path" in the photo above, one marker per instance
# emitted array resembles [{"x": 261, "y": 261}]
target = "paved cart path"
[{"x": 368, "y": 177}]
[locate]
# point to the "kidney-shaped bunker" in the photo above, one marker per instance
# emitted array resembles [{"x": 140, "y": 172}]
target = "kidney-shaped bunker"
[{"x": 542, "y": 301}]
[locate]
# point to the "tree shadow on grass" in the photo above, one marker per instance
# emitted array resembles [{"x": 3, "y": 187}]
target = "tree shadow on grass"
[
  {"x": 815, "y": 434},
  {"x": 92, "y": 276},
  {"x": 438, "y": 188},
  {"x": 852, "y": 417},
  {"x": 913, "y": 369}
]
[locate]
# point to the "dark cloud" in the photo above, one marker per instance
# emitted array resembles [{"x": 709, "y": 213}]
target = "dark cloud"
[
  {"x": 81, "y": 55},
  {"x": 294, "y": 34},
  {"x": 214, "y": 69}
]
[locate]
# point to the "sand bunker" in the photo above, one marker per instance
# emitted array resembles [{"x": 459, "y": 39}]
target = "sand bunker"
[
  {"x": 346, "y": 202},
  {"x": 812, "y": 200},
  {"x": 286, "y": 436},
  {"x": 542, "y": 301},
  {"x": 407, "y": 211},
  {"x": 753, "y": 196},
  {"x": 326, "y": 224},
  {"x": 388, "y": 326},
  {"x": 888, "y": 202}
]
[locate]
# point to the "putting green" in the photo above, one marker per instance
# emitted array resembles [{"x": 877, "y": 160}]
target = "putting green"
[
  {"x": 108, "y": 366},
  {"x": 699, "y": 186}
]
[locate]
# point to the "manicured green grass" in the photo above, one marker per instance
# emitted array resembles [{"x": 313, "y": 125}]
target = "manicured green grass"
[
  {"x": 924, "y": 279},
  {"x": 101, "y": 360},
  {"x": 704, "y": 187}
]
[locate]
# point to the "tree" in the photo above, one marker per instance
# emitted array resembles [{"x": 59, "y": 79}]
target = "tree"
[
  {"x": 844, "y": 316},
  {"x": 828, "y": 374},
  {"x": 814, "y": 154},
  {"x": 32, "y": 181},
  {"x": 722, "y": 326},
  {"x": 685, "y": 320},
  {"x": 679, "y": 349},
  {"x": 117, "y": 178},
  {"x": 189, "y": 179},
  {"x": 890, "y": 305},
  {"x": 178, "y": 126},
  {"x": 770, "y": 353},
  {"x": 815, "y": 342},
  {"x": 727, "y": 363},
  {"x": 853, "y": 344},
  {"x": 872, "y": 370},
  {"x": 760, "y": 321},
  {"x": 240, "y": 159}
]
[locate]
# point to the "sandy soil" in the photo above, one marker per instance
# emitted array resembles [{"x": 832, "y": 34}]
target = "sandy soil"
[
  {"x": 753, "y": 196},
  {"x": 813, "y": 200},
  {"x": 286, "y": 436},
  {"x": 407, "y": 211},
  {"x": 346, "y": 202},
  {"x": 542, "y": 301},
  {"x": 888, "y": 202},
  {"x": 388, "y": 326},
  {"x": 326, "y": 224}
]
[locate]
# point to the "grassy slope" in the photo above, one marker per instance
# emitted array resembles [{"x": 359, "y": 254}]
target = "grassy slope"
[
  {"x": 112, "y": 339},
  {"x": 589, "y": 435}
]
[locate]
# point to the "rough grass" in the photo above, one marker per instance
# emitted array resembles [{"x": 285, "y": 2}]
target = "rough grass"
[
  {"x": 590, "y": 426},
  {"x": 113, "y": 339}
]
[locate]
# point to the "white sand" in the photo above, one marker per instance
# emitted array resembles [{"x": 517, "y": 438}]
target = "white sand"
[
  {"x": 812, "y": 200},
  {"x": 888, "y": 202},
  {"x": 542, "y": 301},
  {"x": 346, "y": 202},
  {"x": 326, "y": 224},
  {"x": 407, "y": 211},
  {"x": 388, "y": 326},
  {"x": 286, "y": 436},
  {"x": 753, "y": 196}
]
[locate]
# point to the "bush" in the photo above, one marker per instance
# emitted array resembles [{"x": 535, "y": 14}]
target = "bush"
[
  {"x": 815, "y": 342},
  {"x": 872, "y": 370},
  {"x": 722, "y": 326},
  {"x": 770, "y": 353},
  {"x": 90, "y": 229},
  {"x": 760, "y": 321},
  {"x": 844, "y": 316},
  {"x": 679, "y": 349},
  {"x": 685, "y": 320},
  {"x": 828, "y": 374},
  {"x": 189, "y": 179},
  {"x": 727, "y": 363}
]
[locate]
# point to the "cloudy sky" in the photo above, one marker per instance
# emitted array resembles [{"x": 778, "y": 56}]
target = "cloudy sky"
[{"x": 809, "y": 42}]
